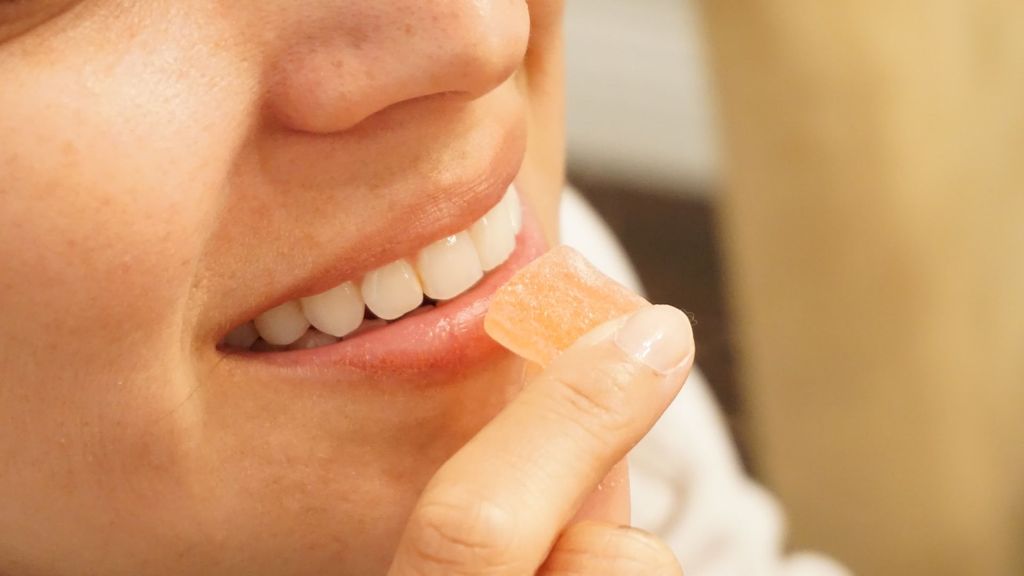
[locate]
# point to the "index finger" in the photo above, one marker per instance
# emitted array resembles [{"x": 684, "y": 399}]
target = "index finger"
[{"x": 497, "y": 506}]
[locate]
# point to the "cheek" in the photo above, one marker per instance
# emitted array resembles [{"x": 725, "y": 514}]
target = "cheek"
[
  {"x": 102, "y": 210},
  {"x": 90, "y": 265},
  {"x": 544, "y": 168},
  {"x": 113, "y": 161}
]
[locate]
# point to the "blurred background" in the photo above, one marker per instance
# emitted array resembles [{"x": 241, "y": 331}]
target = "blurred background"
[{"x": 835, "y": 190}]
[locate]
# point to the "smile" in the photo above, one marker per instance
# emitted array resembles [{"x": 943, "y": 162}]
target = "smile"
[{"x": 438, "y": 273}]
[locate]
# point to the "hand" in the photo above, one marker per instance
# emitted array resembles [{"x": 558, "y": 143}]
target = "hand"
[{"x": 501, "y": 505}]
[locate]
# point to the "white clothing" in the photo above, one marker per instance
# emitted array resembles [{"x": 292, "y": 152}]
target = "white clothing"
[{"x": 687, "y": 482}]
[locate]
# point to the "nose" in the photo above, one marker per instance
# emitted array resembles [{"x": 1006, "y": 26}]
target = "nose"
[{"x": 340, "y": 62}]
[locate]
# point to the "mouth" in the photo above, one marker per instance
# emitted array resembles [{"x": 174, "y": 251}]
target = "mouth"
[{"x": 422, "y": 311}]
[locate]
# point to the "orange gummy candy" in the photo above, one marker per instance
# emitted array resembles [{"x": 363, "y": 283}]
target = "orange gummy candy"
[{"x": 553, "y": 301}]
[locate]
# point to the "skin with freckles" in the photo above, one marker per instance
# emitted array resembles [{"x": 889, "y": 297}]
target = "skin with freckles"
[{"x": 170, "y": 167}]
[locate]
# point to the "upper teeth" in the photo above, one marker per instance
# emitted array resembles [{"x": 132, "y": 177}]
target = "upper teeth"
[
  {"x": 441, "y": 271},
  {"x": 449, "y": 266},
  {"x": 391, "y": 290}
]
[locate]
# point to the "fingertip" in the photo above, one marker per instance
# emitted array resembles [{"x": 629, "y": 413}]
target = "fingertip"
[{"x": 659, "y": 337}]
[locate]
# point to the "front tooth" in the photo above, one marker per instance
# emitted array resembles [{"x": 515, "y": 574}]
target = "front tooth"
[
  {"x": 243, "y": 336},
  {"x": 515, "y": 208},
  {"x": 282, "y": 325},
  {"x": 494, "y": 236},
  {"x": 337, "y": 311},
  {"x": 392, "y": 290},
  {"x": 449, "y": 266}
]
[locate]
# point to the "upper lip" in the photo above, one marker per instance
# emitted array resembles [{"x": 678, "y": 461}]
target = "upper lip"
[{"x": 429, "y": 214}]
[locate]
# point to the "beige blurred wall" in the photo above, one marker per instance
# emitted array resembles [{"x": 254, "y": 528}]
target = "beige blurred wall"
[
  {"x": 874, "y": 213},
  {"x": 637, "y": 99}
]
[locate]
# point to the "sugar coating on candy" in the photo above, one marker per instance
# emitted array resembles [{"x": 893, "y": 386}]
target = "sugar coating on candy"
[{"x": 553, "y": 301}]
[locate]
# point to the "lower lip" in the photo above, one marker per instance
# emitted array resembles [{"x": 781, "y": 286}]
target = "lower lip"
[{"x": 448, "y": 338}]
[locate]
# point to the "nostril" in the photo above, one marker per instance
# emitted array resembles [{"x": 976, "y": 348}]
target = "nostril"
[{"x": 333, "y": 78}]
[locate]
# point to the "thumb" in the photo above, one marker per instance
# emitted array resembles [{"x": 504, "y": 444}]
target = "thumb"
[
  {"x": 499, "y": 503},
  {"x": 609, "y": 502}
]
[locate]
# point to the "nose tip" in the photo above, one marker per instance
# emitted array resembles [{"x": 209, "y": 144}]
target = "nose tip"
[{"x": 385, "y": 53}]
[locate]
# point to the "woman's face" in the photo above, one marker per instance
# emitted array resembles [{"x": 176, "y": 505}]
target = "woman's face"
[{"x": 171, "y": 169}]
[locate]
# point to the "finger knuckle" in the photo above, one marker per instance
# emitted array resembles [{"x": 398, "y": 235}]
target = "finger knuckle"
[
  {"x": 457, "y": 534},
  {"x": 599, "y": 403},
  {"x": 645, "y": 553},
  {"x": 622, "y": 551}
]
